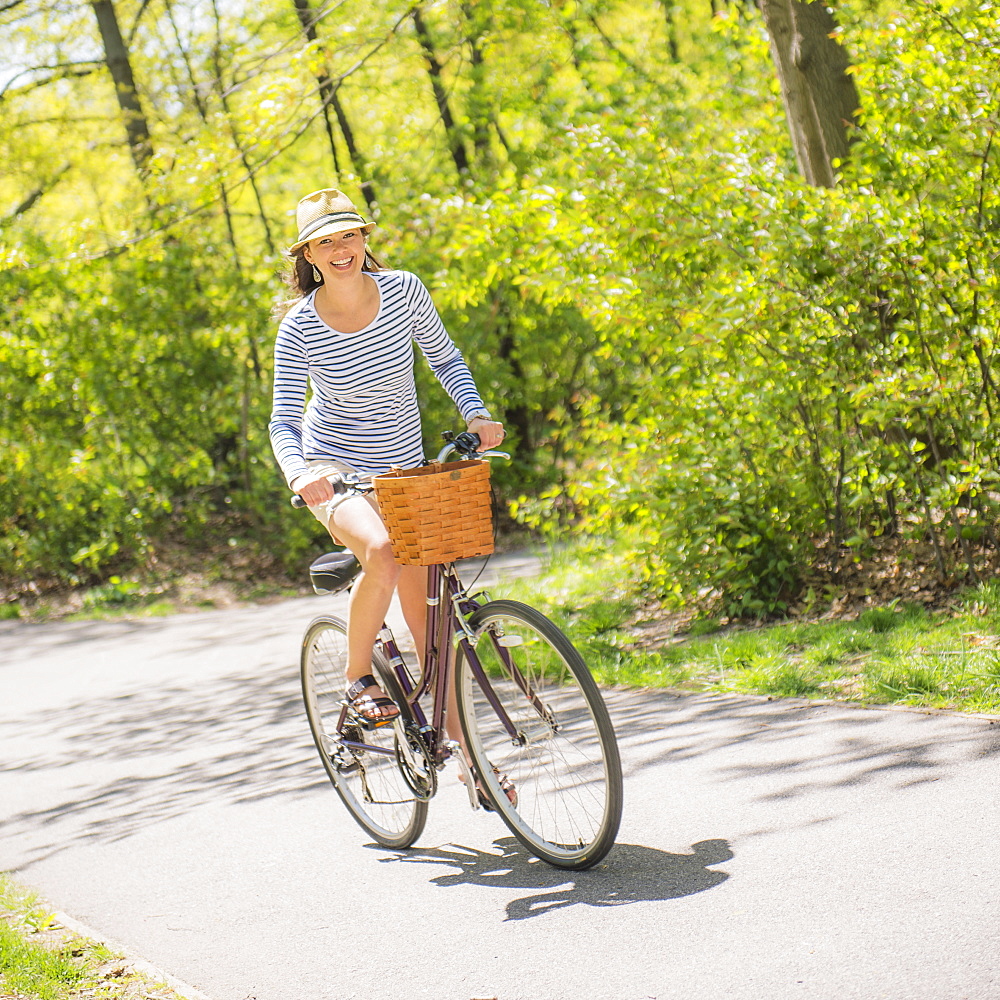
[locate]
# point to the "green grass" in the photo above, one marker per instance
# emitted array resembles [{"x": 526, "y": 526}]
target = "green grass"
[
  {"x": 29, "y": 967},
  {"x": 154, "y": 596},
  {"x": 33, "y": 970},
  {"x": 42, "y": 960},
  {"x": 897, "y": 654},
  {"x": 154, "y": 609}
]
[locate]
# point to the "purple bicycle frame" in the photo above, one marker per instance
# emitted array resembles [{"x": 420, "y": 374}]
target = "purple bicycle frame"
[{"x": 443, "y": 584}]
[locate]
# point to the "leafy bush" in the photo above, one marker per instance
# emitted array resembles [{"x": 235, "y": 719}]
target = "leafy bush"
[
  {"x": 753, "y": 379},
  {"x": 819, "y": 371},
  {"x": 140, "y": 413}
]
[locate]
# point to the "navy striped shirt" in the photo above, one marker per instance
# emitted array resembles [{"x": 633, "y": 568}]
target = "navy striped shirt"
[{"x": 363, "y": 410}]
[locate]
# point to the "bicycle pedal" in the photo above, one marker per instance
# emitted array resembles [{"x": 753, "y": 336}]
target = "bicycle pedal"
[{"x": 372, "y": 724}]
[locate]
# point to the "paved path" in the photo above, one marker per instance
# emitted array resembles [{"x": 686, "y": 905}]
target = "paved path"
[{"x": 157, "y": 782}]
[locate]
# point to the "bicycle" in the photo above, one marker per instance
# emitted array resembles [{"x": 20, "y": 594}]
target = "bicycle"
[{"x": 530, "y": 713}]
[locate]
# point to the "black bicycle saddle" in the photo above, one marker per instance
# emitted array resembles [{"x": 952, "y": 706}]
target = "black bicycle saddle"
[{"x": 334, "y": 571}]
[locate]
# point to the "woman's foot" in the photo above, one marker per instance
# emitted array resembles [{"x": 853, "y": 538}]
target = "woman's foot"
[
  {"x": 506, "y": 786},
  {"x": 369, "y": 702}
]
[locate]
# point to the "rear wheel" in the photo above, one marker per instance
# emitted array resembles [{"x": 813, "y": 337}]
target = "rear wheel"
[
  {"x": 366, "y": 774},
  {"x": 562, "y": 756}
]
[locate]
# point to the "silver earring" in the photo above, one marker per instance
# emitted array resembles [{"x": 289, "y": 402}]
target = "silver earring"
[{"x": 317, "y": 277}]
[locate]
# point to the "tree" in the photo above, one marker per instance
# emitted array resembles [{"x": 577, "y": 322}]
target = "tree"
[
  {"x": 328, "y": 92},
  {"x": 120, "y": 66},
  {"x": 821, "y": 100},
  {"x": 456, "y": 143}
]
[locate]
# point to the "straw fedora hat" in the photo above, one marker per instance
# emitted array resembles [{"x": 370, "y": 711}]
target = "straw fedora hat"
[{"x": 324, "y": 213}]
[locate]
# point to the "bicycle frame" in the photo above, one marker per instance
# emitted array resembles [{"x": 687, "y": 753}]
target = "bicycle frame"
[
  {"x": 533, "y": 739},
  {"x": 448, "y": 606}
]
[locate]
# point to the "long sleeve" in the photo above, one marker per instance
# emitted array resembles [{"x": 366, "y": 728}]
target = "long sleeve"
[
  {"x": 291, "y": 377},
  {"x": 351, "y": 397},
  {"x": 442, "y": 355}
]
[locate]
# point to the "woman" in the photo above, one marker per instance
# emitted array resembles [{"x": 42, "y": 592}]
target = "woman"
[{"x": 349, "y": 336}]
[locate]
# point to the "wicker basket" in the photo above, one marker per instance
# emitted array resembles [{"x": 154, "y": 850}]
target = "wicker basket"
[{"x": 438, "y": 513}]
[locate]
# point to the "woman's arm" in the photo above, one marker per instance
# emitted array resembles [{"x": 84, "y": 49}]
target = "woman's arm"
[
  {"x": 291, "y": 379},
  {"x": 447, "y": 363}
]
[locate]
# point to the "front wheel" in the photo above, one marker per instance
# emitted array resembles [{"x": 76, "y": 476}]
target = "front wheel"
[
  {"x": 362, "y": 763},
  {"x": 532, "y": 714}
]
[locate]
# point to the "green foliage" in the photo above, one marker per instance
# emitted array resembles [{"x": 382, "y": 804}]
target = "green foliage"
[
  {"x": 756, "y": 380},
  {"x": 878, "y": 619},
  {"x": 134, "y": 407},
  {"x": 116, "y": 593},
  {"x": 40, "y": 959},
  {"x": 891, "y": 655},
  {"x": 28, "y": 968},
  {"x": 819, "y": 363}
]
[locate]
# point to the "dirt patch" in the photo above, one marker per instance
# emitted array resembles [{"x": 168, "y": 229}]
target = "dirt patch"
[{"x": 893, "y": 573}]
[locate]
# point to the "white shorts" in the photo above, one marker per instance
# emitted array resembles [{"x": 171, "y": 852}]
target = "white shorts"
[{"x": 323, "y": 512}]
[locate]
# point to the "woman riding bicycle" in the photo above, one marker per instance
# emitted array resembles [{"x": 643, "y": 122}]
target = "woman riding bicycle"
[{"x": 348, "y": 336}]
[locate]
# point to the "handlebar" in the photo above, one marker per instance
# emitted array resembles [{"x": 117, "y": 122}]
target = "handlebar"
[
  {"x": 344, "y": 485},
  {"x": 465, "y": 443}
]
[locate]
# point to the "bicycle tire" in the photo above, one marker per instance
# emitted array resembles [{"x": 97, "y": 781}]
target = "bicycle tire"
[
  {"x": 565, "y": 767},
  {"x": 371, "y": 785}
]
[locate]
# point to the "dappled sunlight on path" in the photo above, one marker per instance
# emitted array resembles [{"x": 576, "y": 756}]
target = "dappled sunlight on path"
[{"x": 858, "y": 745}]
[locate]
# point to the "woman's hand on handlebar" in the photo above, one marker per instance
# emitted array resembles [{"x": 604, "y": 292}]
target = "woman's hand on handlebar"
[
  {"x": 314, "y": 491},
  {"x": 491, "y": 432}
]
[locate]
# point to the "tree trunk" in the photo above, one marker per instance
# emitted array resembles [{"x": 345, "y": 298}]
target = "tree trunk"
[
  {"x": 478, "y": 104},
  {"x": 328, "y": 94},
  {"x": 251, "y": 174},
  {"x": 456, "y": 145},
  {"x": 202, "y": 109},
  {"x": 117, "y": 57},
  {"x": 820, "y": 97},
  {"x": 668, "y": 13},
  {"x": 28, "y": 202},
  {"x": 515, "y": 412},
  {"x": 357, "y": 160},
  {"x": 308, "y": 22}
]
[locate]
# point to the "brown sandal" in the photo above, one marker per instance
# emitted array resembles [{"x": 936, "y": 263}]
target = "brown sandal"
[
  {"x": 506, "y": 786},
  {"x": 369, "y": 708}
]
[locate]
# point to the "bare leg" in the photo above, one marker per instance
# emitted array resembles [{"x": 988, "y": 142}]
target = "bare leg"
[
  {"x": 412, "y": 589},
  {"x": 357, "y": 524}
]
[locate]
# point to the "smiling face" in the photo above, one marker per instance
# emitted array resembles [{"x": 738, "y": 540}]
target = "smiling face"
[{"x": 339, "y": 254}]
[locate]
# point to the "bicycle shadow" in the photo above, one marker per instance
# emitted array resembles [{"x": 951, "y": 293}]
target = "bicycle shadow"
[{"x": 629, "y": 874}]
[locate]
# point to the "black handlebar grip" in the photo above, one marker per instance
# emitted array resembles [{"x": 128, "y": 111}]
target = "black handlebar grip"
[
  {"x": 467, "y": 442},
  {"x": 337, "y": 481}
]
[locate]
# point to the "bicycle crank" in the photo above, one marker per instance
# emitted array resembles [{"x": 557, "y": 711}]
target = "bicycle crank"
[{"x": 414, "y": 760}]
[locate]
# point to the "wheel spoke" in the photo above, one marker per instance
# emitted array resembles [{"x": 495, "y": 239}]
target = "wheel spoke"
[
  {"x": 564, "y": 761},
  {"x": 369, "y": 783}
]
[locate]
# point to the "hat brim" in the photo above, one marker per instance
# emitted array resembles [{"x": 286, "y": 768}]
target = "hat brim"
[{"x": 331, "y": 229}]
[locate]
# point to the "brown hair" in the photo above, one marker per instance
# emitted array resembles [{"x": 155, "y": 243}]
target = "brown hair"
[{"x": 301, "y": 281}]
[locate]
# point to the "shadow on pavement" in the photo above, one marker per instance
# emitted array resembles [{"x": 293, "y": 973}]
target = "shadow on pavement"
[
  {"x": 629, "y": 874},
  {"x": 138, "y": 758},
  {"x": 817, "y": 746},
  {"x": 190, "y": 632},
  {"x": 141, "y": 756}
]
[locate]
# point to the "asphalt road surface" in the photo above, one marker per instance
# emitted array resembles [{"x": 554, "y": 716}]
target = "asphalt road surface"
[{"x": 159, "y": 784}]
